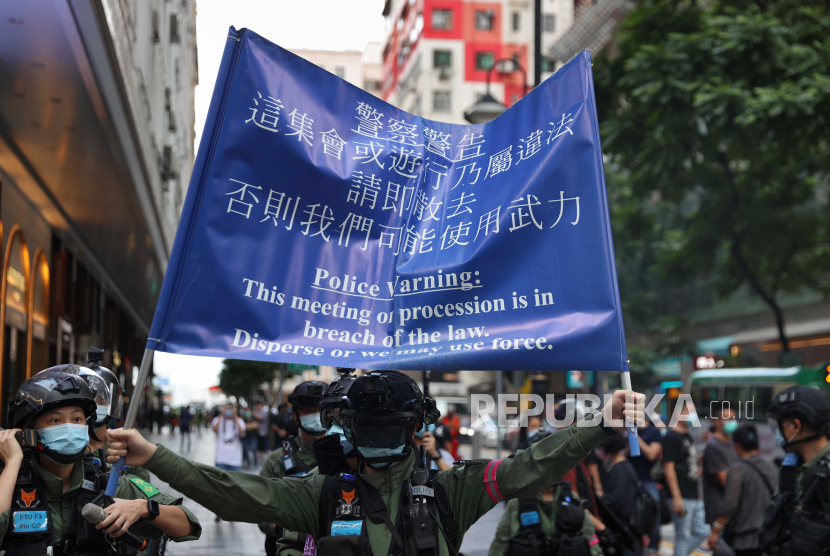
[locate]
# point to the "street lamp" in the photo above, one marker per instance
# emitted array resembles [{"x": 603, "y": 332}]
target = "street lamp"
[{"x": 487, "y": 107}]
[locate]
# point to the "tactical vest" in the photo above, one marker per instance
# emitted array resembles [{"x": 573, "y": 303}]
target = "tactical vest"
[
  {"x": 799, "y": 526},
  {"x": 424, "y": 513},
  {"x": 567, "y": 539},
  {"x": 31, "y": 531},
  {"x": 290, "y": 459}
]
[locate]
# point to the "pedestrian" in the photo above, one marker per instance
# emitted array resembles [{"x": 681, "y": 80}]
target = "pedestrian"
[
  {"x": 296, "y": 456},
  {"x": 620, "y": 495},
  {"x": 51, "y": 483},
  {"x": 717, "y": 457},
  {"x": 230, "y": 430},
  {"x": 249, "y": 443},
  {"x": 534, "y": 426},
  {"x": 453, "y": 423},
  {"x": 797, "y": 516},
  {"x": 566, "y": 414},
  {"x": 262, "y": 416},
  {"x": 553, "y": 522},
  {"x": 651, "y": 447},
  {"x": 380, "y": 414},
  {"x": 681, "y": 467},
  {"x": 185, "y": 421},
  {"x": 750, "y": 484},
  {"x": 438, "y": 458}
]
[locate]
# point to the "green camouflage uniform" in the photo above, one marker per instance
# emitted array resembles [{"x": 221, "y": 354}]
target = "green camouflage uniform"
[
  {"x": 273, "y": 468},
  {"x": 473, "y": 487},
  {"x": 62, "y": 503},
  {"x": 509, "y": 525}
]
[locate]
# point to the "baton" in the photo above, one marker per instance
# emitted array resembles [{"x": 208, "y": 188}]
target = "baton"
[
  {"x": 132, "y": 413},
  {"x": 633, "y": 440}
]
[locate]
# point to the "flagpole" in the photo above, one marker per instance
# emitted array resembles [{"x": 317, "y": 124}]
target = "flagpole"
[
  {"x": 633, "y": 440},
  {"x": 132, "y": 413}
]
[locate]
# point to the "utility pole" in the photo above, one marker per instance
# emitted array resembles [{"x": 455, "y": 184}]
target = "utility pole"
[{"x": 537, "y": 43}]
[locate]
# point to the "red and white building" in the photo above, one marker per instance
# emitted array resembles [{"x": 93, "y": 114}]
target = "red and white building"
[{"x": 437, "y": 52}]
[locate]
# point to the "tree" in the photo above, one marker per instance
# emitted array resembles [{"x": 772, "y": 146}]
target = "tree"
[
  {"x": 243, "y": 379},
  {"x": 716, "y": 115}
]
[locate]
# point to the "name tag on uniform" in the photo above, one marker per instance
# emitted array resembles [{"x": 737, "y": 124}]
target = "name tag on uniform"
[
  {"x": 529, "y": 518},
  {"x": 29, "y": 522},
  {"x": 421, "y": 490},
  {"x": 89, "y": 485},
  {"x": 343, "y": 528}
]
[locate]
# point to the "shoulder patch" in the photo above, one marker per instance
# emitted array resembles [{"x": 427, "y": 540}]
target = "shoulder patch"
[{"x": 148, "y": 489}]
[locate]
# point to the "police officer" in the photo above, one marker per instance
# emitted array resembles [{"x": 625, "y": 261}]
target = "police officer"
[
  {"x": 333, "y": 452},
  {"x": 553, "y": 522},
  {"x": 296, "y": 455},
  {"x": 393, "y": 501},
  {"x": 797, "y": 522},
  {"x": 109, "y": 400},
  {"x": 44, "y": 487}
]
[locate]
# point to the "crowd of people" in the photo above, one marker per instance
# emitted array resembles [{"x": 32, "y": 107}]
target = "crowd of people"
[{"x": 349, "y": 455}]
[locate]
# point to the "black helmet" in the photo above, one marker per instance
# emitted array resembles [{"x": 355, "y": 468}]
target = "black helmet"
[
  {"x": 382, "y": 410},
  {"x": 307, "y": 394},
  {"x": 332, "y": 397},
  {"x": 47, "y": 390},
  {"x": 808, "y": 404},
  {"x": 116, "y": 404}
]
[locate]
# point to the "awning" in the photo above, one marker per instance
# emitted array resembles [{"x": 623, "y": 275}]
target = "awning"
[
  {"x": 718, "y": 346},
  {"x": 797, "y": 330}
]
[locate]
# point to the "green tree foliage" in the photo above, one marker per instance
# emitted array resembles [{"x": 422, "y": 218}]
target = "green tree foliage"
[
  {"x": 243, "y": 379},
  {"x": 716, "y": 117}
]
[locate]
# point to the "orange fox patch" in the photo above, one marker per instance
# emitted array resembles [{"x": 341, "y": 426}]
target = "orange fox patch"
[
  {"x": 27, "y": 498},
  {"x": 348, "y": 496}
]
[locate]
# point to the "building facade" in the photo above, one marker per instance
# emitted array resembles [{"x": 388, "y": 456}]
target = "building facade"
[
  {"x": 438, "y": 52},
  {"x": 96, "y": 147},
  {"x": 361, "y": 69}
]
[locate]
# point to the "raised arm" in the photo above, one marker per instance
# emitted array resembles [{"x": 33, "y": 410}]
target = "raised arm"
[{"x": 233, "y": 496}]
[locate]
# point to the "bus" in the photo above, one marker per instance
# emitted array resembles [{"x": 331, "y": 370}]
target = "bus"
[{"x": 749, "y": 392}]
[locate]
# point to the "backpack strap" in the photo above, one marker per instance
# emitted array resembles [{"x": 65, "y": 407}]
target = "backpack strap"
[
  {"x": 30, "y": 525},
  {"x": 442, "y": 502},
  {"x": 763, "y": 477},
  {"x": 326, "y": 512}
]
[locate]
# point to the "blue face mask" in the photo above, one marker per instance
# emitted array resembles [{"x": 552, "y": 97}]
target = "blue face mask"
[
  {"x": 424, "y": 429},
  {"x": 338, "y": 430},
  {"x": 229, "y": 413},
  {"x": 67, "y": 440},
  {"x": 311, "y": 424},
  {"x": 101, "y": 415},
  {"x": 531, "y": 434},
  {"x": 380, "y": 453}
]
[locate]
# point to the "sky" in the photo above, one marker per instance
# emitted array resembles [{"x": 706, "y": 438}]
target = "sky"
[{"x": 313, "y": 24}]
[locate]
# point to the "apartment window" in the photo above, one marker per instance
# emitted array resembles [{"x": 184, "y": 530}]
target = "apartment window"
[
  {"x": 485, "y": 19},
  {"x": 174, "y": 29},
  {"x": 517, "y": 21},
  {"x": 156, "y": 33},
  {"x": 547, "y": 65},
  {"x": 340, "y": 71},
  {"x": 484, "y": 60},
  {"x": 371, "y": 85},
  {"x": 442, "y": 19},
  {"x": 441, "y": 101},
  {"x": 550, "y": 23},
  {"x": 441, "y": 59}
]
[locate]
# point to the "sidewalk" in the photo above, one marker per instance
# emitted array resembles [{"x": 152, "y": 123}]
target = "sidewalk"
[{"x": 218, "y": 539}]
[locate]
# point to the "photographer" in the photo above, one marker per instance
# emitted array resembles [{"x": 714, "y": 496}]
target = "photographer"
[{"x": 380, "y": 415}]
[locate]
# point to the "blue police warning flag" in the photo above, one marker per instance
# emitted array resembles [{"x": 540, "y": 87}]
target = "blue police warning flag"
[{"x": 324, "y": 226}]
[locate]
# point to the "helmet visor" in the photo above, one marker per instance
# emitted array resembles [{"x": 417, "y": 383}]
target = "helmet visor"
[{"x": 379, "y": 434}]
